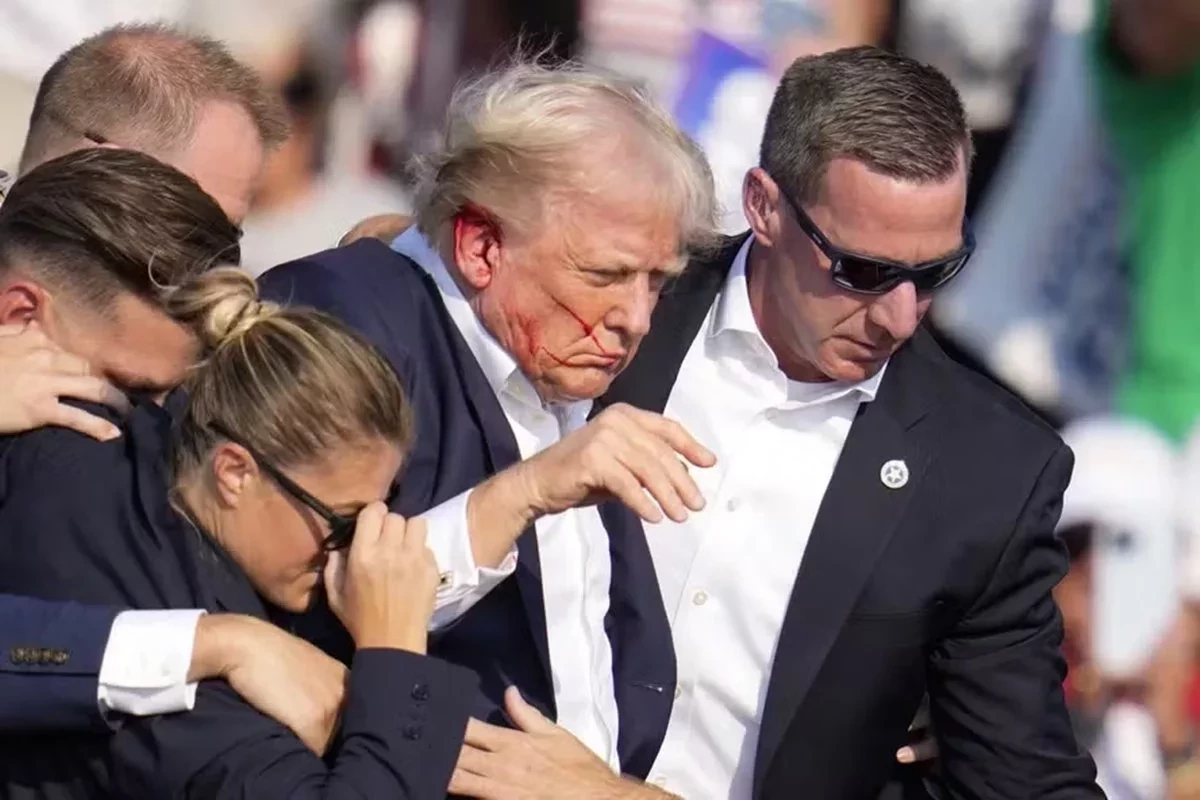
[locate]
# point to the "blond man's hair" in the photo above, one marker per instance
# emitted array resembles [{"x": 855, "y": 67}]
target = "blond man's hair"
[{"x": 520, "y": 138}]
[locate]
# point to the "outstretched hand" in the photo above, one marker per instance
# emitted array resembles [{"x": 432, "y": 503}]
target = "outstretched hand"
[{"x": 540, "y": 761}]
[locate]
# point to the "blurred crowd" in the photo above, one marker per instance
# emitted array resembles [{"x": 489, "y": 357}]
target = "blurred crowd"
[{"x": 1085, "y": 201}]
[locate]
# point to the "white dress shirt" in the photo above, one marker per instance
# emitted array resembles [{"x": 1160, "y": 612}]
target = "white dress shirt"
[
  {"x": 573, "y": 546},
  {"x": 146, "y": 661},
  {"x": 726, "y": 574}
]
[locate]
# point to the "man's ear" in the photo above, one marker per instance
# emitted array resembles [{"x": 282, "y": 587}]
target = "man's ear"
[
  {"x": 477, "y": 239},
  {"x": 22, "y": 302},
  {"x": 234, "y": 473},
  {"x": 760, "y": 203}
]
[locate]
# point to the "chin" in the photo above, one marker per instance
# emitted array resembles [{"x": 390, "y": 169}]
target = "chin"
[
  {"x": 587, "y": 384},
  {"x": 292, "y": 604},
  {"x": 295, "y": 600},
  {"x": 848, "y": 371}
]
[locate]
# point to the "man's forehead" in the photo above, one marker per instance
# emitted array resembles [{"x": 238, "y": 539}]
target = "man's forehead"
[{"x": 649, "y": 243}]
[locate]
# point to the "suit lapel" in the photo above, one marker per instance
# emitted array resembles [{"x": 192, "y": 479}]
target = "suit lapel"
[
  {"x": 857, "y": 517},
  {"x": 502, "y": 452}
]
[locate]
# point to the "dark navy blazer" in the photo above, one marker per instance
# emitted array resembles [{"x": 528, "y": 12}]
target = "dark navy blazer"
[
  {"x": 463, "y": 437},
  {"x": 50, "y": 656},
  {"x": 90, "y": 521}
]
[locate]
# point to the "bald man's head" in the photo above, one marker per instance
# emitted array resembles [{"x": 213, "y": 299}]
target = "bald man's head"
[{"x": 179, "y": 97}]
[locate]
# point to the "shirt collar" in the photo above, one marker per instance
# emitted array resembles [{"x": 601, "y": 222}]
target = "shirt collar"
[
  {"x": 498, "y": 365},
  {"x": 732, "y": 313}
]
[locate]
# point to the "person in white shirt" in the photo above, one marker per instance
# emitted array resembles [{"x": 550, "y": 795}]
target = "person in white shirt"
[{"x": 880, "y": 524}]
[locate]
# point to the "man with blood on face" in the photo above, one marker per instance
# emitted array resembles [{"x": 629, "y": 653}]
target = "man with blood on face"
[{"x": 557, "y": 207}]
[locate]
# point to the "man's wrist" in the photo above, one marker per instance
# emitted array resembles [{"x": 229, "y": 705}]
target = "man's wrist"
[{"x": 498, "y": 511}]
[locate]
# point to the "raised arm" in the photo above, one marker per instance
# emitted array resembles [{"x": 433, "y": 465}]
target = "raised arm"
[{"x": 402, "y": 724}]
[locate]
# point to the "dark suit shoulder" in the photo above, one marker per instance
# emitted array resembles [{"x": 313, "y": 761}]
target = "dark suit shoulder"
[
  {"x": 982, "y": 406},
  {"x": 60, "y": 457},
  {"x": 368, "y": 286},
  {"x": 352, "y": 268}
]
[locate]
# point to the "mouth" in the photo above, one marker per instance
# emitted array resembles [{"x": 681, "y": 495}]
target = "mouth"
[
  {"x": 605, "y": 359},
  {"x": 872, "y": 352}
]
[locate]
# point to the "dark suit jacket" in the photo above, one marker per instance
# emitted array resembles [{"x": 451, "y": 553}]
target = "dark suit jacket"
[
  {"x": 463, "y": 438},
  {"x": 942, "y": 586},
  {"x": 50, "y": 655},
  {"x": 90, "y": 521}
]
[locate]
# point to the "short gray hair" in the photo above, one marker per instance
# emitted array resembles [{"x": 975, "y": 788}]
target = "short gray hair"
[{"x": 519, "y": 133}]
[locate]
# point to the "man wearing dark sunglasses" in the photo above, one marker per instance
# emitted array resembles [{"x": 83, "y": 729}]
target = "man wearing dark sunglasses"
[{"x": 879, "y": 525}]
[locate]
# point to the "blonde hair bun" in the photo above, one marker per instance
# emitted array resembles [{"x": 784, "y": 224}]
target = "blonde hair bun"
[{"x": 222, "y": 306}]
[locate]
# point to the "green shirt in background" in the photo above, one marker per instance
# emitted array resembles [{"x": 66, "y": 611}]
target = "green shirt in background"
[{"x": 1155, "y": 128}]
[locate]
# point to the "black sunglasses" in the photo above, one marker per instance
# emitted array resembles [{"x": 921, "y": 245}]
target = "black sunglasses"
[
  {"x": 341, "y": 526},
  {"x": 870, "y": 275}
]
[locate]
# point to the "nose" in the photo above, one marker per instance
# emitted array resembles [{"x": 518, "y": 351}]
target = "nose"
[
  {"x": 634, "y": 317},
  {"x": 898, "y": 312}
]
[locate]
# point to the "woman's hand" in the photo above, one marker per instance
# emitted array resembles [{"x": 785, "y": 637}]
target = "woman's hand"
[
  {"x": 383, "y": 587},
  {"x": 36, "y": 374}
]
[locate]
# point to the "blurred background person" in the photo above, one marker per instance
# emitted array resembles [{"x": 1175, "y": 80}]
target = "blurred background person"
[{"x": 318, "y": 183}]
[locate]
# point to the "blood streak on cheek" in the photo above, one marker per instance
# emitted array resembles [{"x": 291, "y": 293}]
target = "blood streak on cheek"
[{"x": 588, "y": 330}]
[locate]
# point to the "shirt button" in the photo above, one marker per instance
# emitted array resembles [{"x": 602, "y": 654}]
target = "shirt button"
[
  {"x": 420, "y": 692},
  {"x": 700, "y": 597},
  {"x": 412, "y": 732},
  {"x": 733, "y": 504}
]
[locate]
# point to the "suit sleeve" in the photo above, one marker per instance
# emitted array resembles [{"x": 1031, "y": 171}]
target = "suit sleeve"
[
  {"x": 995, "y": 682},
  {"x": 402, "y": 729},
  {"x": 50, "y": 657}
]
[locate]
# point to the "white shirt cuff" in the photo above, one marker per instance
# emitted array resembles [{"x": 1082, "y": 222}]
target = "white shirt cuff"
[
  {"x": 146, "y": 663},
  {"x": 464, "y": 583}
]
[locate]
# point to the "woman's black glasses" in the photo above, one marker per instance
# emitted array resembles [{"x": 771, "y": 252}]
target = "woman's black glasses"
[
  {"x": 871, "y": 275},
  {"x": 341, "y": 526}
]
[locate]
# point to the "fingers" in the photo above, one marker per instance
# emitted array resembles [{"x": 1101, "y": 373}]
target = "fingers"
[
  {"x": 414, "y": 533},
  {"x": 526, "y": 717},
  {"x": 469, "y": 784},
  {"x": 369, "y": 528},
  {"x": 628, "y": 489},
  {"x": 655, "y": 465},
  {"x": 94, "y": 390},
  {"x": 680, "y": 484},
  {"x": 384, "y": 227},
  {"x": 923, "y": 750},
  {"x": 673, "y": 434},
  {"x": 485, "y": 736},
  {"x": 57, "y": 361},
  {"x": 79, "y": 420},
  {"x": 334, "y": 576}
]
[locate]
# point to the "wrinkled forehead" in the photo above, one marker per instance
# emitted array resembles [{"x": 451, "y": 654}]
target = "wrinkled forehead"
[{"x": 614, "y": 229}]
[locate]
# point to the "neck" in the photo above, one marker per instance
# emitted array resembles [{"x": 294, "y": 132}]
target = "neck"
[
  {"x": 189, "y": 499},
  {"x": 768, "y": 316}
]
